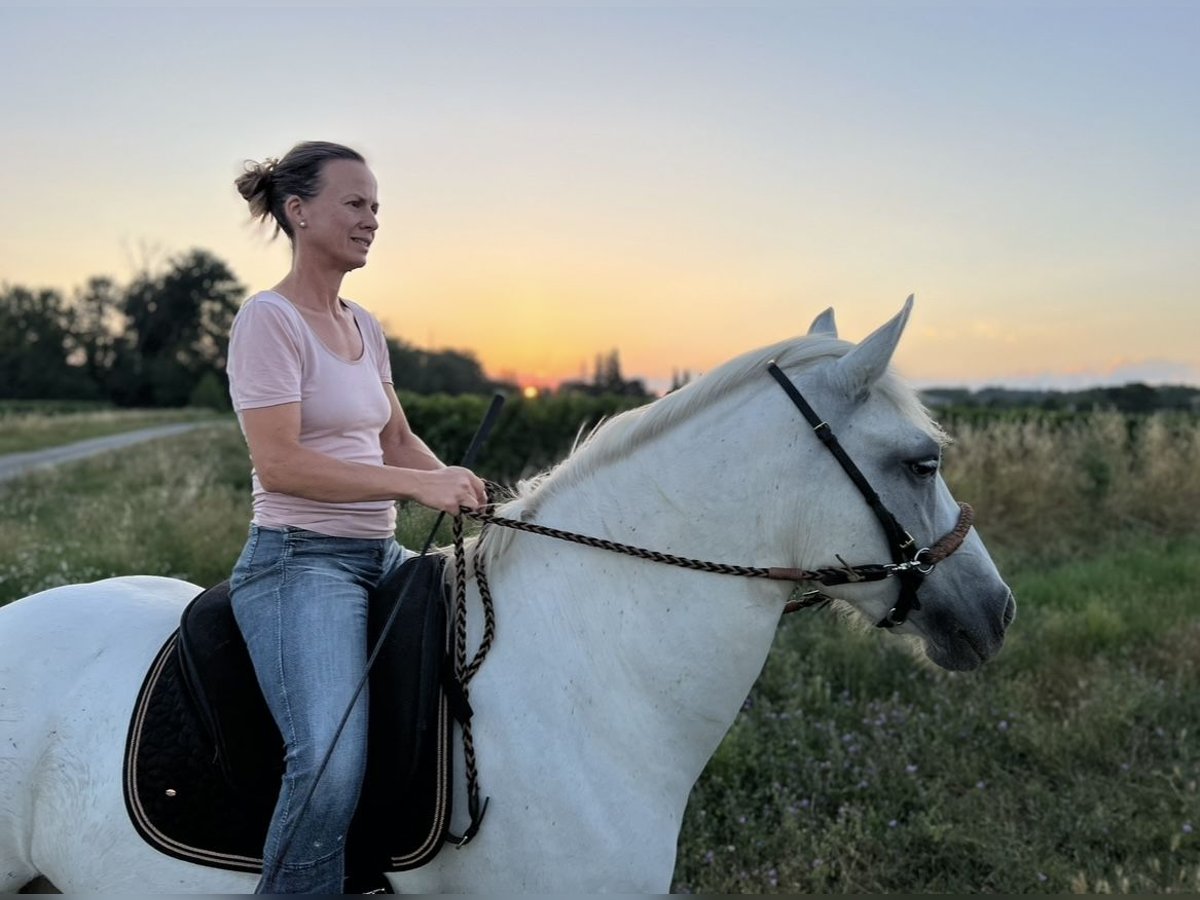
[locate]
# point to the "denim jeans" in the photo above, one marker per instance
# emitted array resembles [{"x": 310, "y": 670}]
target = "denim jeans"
[{"x": 300, "y": 600}]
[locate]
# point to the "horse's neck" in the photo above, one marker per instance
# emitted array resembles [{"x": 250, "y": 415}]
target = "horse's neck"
[{"x": 660, "y": 658}]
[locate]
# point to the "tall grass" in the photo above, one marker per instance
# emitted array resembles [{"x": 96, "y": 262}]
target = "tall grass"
[
  {"x": 1068, "y": 764},
  {"x": 1046, "y": 489},
  {"x": 175, "y": 507}
]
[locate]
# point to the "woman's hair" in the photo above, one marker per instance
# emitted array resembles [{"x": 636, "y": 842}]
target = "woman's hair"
[{"x": 266, "y": 185}]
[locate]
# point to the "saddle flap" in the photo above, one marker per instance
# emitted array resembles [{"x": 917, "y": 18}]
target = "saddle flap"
[{"x": 216, "y": 671}]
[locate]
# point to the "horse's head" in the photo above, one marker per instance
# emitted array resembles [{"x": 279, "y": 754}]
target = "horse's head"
[{"x": 963, "y": 607}]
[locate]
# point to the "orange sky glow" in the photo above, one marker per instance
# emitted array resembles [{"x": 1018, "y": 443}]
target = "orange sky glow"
[{"x": 680, "y": 184}]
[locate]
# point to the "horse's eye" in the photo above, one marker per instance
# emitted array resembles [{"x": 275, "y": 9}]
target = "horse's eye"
[{"x": 923, "y": 468}]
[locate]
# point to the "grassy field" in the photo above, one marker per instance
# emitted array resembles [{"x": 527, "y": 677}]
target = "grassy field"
[
  {"x": 1069, "y": 764},
  {"x": 175, "y": 506},
  {"x": 30, "y": 426}
]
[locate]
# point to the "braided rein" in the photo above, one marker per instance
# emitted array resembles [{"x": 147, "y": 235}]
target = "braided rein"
[
  {"x": 826, "y": 575},
  {"x": 923, "y": 561}
]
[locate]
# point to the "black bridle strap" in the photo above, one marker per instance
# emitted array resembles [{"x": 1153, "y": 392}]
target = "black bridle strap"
[{"x": 900, "y": 543}]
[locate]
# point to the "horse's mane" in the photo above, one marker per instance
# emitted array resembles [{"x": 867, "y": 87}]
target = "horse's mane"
[{"x": 614, "y": 439}]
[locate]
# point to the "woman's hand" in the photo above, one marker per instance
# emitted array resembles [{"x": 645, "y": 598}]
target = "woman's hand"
[{"x": 448, "y": 489}]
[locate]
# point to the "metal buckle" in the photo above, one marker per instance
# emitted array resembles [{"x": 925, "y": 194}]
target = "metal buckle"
[
  {"x": 914, "y": 564},
  {"x": 923, "y": 568}
]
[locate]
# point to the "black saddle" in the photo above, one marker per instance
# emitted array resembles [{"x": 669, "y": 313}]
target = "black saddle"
[{"x": 204, "y": 759}]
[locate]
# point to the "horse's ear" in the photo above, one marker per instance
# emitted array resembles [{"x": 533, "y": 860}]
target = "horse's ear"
[
  {"x": 824, "y": 324},
  {"x": 866, "y": 363}
]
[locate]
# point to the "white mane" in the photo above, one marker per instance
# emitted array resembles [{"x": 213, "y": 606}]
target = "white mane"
[{"x": 615, "y": 438}]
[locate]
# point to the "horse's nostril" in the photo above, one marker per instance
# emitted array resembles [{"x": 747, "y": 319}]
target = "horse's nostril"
[{"x": 1010, "y": 609}]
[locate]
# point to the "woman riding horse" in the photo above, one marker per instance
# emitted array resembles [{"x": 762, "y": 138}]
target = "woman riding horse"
[{"x": 311, "y": 382}]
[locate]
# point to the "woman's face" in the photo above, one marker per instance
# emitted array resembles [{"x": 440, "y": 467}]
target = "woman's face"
[{"x": 341, "y": 220}]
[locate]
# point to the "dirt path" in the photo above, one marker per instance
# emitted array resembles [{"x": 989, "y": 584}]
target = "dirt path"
[{"x": 14, "y": 465}]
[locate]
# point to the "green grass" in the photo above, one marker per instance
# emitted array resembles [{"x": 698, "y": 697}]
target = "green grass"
[
  {"x": 1069, "y": 763},
  {"x": 175, "y": 506},
  {"x": 33, "y": 427}
]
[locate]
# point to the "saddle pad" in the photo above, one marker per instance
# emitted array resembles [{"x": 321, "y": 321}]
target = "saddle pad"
[{"x": 204, "y": 760}]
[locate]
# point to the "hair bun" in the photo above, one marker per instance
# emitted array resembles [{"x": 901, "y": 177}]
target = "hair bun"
[{"x": 255, "y": 183}]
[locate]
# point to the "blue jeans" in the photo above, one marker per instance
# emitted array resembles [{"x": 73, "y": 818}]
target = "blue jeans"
[{"x": 300, "y": 600}]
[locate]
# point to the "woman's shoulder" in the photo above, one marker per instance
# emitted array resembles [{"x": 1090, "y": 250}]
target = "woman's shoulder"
[
  {"x": 263, "y": 300},
  {"x": 268, "y": 305},
  {"x": 267, "y": 310}
]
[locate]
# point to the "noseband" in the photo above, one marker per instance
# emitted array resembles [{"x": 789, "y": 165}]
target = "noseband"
[{"x": 909, "y": 564}]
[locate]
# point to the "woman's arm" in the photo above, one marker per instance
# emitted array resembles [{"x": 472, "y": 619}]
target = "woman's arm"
[
  {"x": 401, "y": 446},
  {"x": 285, "y": 466}
]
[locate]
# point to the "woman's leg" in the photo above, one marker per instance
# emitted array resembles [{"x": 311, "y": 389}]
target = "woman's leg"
[{"x": 301, "y": 602}]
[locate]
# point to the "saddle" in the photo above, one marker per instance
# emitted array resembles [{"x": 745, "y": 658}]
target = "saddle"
[{"x": 204, "y": 758}]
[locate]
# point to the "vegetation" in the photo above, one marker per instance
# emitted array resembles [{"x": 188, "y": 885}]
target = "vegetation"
[
  {"x": 607, "y": 380},
  {"x": 1134, "y": 397},
  {"x": 154, "y": 342},
  {"x": 1068, "y": 764},
  {"x": 34, "y": 426},
  {"x": 1049, "y": 488}
]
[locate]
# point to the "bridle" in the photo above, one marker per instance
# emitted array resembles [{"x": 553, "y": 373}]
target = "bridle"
[{"x": 909, "y": 564}]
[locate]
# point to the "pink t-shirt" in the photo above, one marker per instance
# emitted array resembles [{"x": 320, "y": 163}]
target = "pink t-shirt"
[{"x": 274, "y": 358}]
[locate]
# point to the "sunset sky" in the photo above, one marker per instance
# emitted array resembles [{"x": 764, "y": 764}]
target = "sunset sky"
[{"x": 681, "y": 182}]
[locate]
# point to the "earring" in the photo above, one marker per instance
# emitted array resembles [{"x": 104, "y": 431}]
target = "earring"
[{"x": 303, "y": 224}]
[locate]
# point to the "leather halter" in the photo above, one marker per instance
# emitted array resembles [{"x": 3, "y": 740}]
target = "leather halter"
[{"x": 909, "y": 564}]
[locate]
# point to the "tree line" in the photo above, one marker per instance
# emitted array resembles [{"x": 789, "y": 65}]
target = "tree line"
[
  {"x": 162, "y": 340},
  {"x": 1135, "y": 397}
]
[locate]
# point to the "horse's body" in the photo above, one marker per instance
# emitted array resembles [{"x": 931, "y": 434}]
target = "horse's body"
[{"x": 612, "y": 680}]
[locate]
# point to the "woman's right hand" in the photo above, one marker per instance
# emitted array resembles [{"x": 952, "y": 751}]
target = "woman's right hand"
[{"x": 448, "y": 489}]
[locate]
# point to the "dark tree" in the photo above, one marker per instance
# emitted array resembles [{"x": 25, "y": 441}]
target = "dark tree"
[
  {"x": 177, "y": 331},
  {"x": 436, "y": 372},
  {"x": 34, "y": 343},
  {"x": 97, "y": 325},
  {"x": 607, "y": 379}
]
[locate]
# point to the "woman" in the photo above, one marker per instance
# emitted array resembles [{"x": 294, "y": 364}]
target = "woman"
[{"x": 332, "y": 452}]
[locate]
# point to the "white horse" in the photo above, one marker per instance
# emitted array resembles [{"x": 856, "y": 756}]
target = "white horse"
[{"x": 612, "y": 679}]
